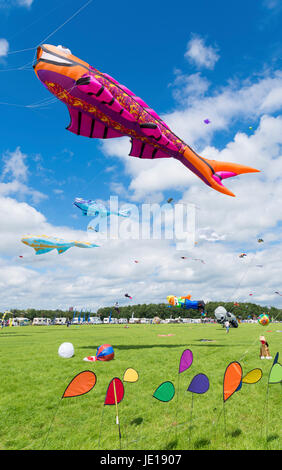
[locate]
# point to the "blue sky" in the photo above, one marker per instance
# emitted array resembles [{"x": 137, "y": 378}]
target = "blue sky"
[{"x": 217, "y": 60}]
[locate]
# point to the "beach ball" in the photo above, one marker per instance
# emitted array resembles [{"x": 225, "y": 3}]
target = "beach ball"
[
  {"x": 66, "y": 350},
  {"x": 263, "y": 319},
  {"x": 105, "y": 352}
]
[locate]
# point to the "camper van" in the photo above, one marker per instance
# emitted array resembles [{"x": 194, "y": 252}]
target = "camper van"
[
  {"x": 95, "y": 320},
  {"x": 41, "y": 321},
  {"x": 60, "y": 321}
]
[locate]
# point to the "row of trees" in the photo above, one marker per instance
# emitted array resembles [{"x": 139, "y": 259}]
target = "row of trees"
[{"x": 240, "y": 310}]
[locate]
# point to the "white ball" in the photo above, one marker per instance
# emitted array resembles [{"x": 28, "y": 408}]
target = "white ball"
[{"x": 66, "y": 350}]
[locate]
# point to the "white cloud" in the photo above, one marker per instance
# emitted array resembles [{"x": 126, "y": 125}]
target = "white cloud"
[
  {"x": 4, "y": 47},
  {"x": 24, "y": 3},
  {"x": 14, "y": 177},
  {"x": 201, "y": 55},
  {"x": 14, "y": 165}
]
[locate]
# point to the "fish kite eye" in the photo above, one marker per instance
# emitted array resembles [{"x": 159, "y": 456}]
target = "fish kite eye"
[{"x": 64, "y": 49}]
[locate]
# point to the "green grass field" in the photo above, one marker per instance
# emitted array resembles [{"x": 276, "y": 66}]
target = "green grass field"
[{"x": 34, "y": 377}]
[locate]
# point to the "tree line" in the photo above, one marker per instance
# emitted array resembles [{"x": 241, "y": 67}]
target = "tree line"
[{"x": 242, "y": 311}]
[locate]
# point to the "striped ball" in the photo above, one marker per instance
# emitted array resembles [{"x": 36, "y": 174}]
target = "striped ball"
[{"x": 105, "y": 352}]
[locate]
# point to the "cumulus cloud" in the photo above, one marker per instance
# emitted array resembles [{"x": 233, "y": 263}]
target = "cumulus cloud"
[
  {"x": 4, "y": 47},
  {"x": 14, "y": 177},
  {"x": 201, "y": 55},
  {"x": 6, "y": 4}
]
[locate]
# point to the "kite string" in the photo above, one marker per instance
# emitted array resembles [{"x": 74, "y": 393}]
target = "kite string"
[
  {"x": 190, "y": 427},
  {"x": 51, "y": 424},
  {"x": 241, "y": 280},
  {"x": 43, "y": 40},
  {"x": 102, "y": 414},
  {"x": 65, "y": 22}
]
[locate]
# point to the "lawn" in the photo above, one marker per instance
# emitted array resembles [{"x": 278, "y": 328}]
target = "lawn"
[{"x": 34, "y": 377}]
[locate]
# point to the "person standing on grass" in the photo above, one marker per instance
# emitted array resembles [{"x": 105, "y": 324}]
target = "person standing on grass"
[{"x": 227, "y": 326}]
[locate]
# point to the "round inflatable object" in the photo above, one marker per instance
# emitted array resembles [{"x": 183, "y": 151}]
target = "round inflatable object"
[
  {"x": 263, "y": 319},
  {"x": 66, "y": 350},
  {"x": 105, "y": 352}
]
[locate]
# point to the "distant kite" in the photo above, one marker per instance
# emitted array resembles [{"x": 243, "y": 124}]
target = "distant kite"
[
  {"x": 207, "y": 121},
  {"x": 44, "y": 244},
  {"x": 242, "y": 255},
  {"x": 185, "y": 302},
  {"x": 93, "y": 209},
  {"x": 100, "y": 107},
  {"x": 126, "y": 295}
]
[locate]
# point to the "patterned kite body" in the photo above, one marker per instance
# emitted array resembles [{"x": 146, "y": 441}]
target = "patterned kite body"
[
  {"x": 100, "y": 107},
  {"x": 263, "y": 319},
  {"x": 44, "y": 244}
]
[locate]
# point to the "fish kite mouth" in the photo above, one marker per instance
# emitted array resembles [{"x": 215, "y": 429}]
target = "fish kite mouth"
[{"x": 54, "y": 58}]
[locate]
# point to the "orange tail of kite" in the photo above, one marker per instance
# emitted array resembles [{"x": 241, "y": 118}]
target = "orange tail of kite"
[{"x": 212, "y": 172}]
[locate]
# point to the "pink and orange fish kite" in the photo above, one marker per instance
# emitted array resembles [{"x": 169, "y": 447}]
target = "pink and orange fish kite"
[{"x": 100, "y": 107}]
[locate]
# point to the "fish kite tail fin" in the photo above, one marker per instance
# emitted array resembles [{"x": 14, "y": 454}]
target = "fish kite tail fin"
[
  {"x": 212, "y": 172},
  {"x": 125, "y": 212},
  {"x": 85, "y": 245}
]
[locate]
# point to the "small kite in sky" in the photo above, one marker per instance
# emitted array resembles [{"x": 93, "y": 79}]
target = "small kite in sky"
[
  {"x": 242, "y": 255},
  {"x": 207, "y": 121},
  {"x": 44, "y": 244},
  {"x": 127, "y": 295},
  {"x": 101, "y": 107},
  {"x": 170, "y": 200}
]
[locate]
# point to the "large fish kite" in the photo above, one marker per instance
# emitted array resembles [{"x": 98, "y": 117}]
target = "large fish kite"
[
  {"x": 44, "y": 244},
  {"x": 100, "y": 107}
]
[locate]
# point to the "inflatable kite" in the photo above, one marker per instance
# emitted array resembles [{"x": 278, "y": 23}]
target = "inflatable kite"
[
  {"x": 222, "y": 316},
  {"x": 100, "y": 107},
  {"x": 93, "y": 208},
  {"x": 186, "y": 302},
  {"x": 44, "y": 244},
  {"x": 105, "y": 352},
  {"x": 263, "y": 319}
]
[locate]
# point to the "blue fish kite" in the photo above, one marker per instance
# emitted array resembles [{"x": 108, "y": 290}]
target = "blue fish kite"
[
  {"x": 44, "y": 244},
  {"x": 93, "y": 208}
]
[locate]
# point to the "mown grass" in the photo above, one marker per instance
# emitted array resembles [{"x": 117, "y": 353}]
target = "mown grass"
[{"x": 34, "y": 377}]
